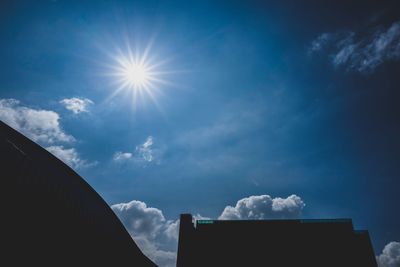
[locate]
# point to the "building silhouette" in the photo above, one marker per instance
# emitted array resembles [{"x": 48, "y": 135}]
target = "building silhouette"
[
  {"x": 276, "y": 243},
  {"x": 51, "y": 217}
]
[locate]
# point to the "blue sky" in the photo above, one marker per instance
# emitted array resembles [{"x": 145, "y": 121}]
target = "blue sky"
[{"x": 261, "y": 98}]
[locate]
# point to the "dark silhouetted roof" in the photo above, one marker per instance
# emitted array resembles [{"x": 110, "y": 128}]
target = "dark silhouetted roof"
[{"x": 52, "y": 217}]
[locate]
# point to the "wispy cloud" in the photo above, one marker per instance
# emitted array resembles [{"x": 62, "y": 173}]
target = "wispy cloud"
[
  {"x": 144, "y": 154},
  {"x": 320, "y": 42},
  {"x": 217, "y": 146},
  {"x": 40, "y": 125},
  {"x": 122, "y": 156},
  {"x": 362, "y": 53},
  {"x": 229, "y": 126},
  {"x": 77, "y": 105}
]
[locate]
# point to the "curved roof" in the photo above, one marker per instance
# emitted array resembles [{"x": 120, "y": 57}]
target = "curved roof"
[{"x": 51, "y": 216}]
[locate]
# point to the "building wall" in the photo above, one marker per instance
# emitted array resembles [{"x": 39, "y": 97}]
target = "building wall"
[{"x": 273, "y": 243}]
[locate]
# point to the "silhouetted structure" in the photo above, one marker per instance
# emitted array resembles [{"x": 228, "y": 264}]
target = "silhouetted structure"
[
  {"x": 52, "y": 217},
  {"x": 276, "y": 243}
]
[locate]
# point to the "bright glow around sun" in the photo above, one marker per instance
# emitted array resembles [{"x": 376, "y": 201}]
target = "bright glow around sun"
[{"x": 137, "y": 75}]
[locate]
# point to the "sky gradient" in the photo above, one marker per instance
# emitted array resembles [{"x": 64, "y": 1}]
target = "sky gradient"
[{"x": 292, "y": 107}]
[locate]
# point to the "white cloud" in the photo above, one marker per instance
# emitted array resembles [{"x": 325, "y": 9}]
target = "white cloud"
[
  {"x": 39, "y": 125},
  {"x": 144, "y": 154},
  {"x": 163, "y": 258},
  {"x": 77, "y": 105},
  {"x": 69, "y": 156},
  {"x": 390, "y": 256},
  {"x": 42, "y": 126},
  {"x": 122, "y": 156},
  {"x": 264, "y": 207},
  {"x": 157, "y": 237},
  {"x": 364, "y": 53}
]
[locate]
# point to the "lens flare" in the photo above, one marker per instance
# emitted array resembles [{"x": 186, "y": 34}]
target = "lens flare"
[{"x": 137, "y": 74}]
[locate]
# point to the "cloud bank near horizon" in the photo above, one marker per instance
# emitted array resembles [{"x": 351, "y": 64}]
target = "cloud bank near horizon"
[{"x": 157, "y": 237}]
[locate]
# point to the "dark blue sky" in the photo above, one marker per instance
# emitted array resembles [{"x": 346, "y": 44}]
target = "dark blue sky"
[{"x": 263, "y": 97}]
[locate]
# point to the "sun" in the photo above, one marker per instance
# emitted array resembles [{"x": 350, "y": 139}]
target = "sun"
[{"x": 137, "y": 74}]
